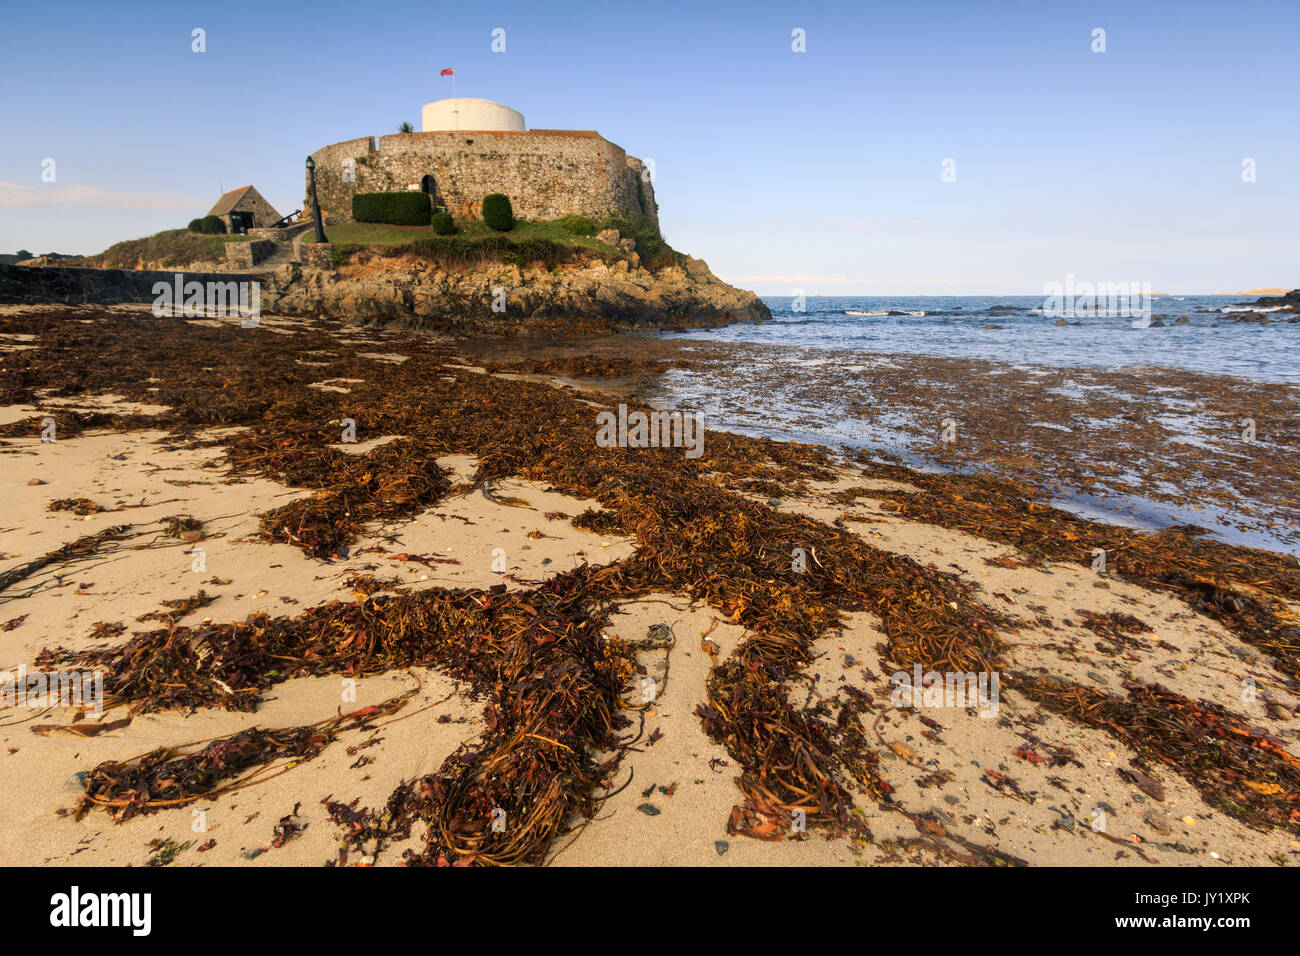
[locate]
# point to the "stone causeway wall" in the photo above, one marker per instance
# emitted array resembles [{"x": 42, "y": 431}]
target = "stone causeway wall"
[
  {"x": 315, "y": 255},
  {"x": 245, "y": 255},
  {"x": 24, "y": 284},
  {"x": 546, "y": 173}
]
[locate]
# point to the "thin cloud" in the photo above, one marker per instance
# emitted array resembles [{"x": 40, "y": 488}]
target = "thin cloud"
[
  {"x": 804, "y": 277},
  {"x": 887, "y": 286},
  {"x": 800, "y": 277},
  {"x": 870, "y": 225},
  {"x": 986, "y": 282},
  {"x": 14, "y": 196}
]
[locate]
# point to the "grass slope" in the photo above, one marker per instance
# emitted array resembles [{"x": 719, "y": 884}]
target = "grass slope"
[{"x": 171, "y": 248}]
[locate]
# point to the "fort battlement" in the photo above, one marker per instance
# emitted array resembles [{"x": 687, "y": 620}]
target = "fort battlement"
[{"x": 546, "y": 173}]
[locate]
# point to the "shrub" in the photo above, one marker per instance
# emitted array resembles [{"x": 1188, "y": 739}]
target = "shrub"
[
  {"x": 212, "y": 225},
  {"x": 395, "y": 209},
  {"x": 442, "y": 223},
  {"x": 616, "y": 222},
  {"x": 650, "y": 245},
  {"x": 578, "y": 225},
  {"x": 497, "y": 213},
  {"x": 461, "y": 253},
  {"x": 196, "y": 225}
]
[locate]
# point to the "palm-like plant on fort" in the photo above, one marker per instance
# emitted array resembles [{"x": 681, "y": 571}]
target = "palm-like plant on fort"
[{"x": 405, "y": 128}]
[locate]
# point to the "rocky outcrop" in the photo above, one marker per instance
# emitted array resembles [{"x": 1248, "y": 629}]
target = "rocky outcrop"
[
  {"x": 588, "y": 296},
  {"x": 1290, "y": 301},
  {"x": 591, "y": 295}
]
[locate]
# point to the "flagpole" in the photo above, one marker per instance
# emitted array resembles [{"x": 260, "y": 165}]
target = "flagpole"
[{"x": 455, "y": 107}]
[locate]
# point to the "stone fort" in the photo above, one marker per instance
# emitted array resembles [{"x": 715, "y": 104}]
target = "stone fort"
[{"x": 469, "y": 148}]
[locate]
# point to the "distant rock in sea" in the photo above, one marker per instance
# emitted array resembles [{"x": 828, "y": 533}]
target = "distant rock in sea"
[{"x": 1289, "y": 302}]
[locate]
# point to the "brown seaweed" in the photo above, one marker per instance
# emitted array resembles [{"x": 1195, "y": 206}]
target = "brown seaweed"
[{"x": 553, "y": 689}]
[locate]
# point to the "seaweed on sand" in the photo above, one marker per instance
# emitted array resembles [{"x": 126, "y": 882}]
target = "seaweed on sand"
[
  {"x": 588, "y": 366},
  {"x": 82, "y": 549},
  {"x": 553, "y": 689},
  {"x": 78, "y": 506},
  {"x": 1244, "y": 588},
  {"x": 396, "y": 480},
  {"x": 551, "y": 685},
  {"x": 175, "y": 776},
  {"x": 1241, "y": 772}
]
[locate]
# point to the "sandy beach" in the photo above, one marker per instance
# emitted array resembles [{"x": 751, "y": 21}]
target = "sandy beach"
[{"x": 467, "y": 634}]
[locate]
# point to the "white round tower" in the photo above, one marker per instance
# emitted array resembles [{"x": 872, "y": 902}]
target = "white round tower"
[{"x": 466, "y": 113}]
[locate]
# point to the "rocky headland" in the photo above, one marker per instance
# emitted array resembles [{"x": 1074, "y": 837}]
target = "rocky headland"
[{"x": 587, "y": 295}]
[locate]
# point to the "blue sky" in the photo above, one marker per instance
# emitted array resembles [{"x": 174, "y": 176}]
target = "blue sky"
[{"x": 818, "y": 170}]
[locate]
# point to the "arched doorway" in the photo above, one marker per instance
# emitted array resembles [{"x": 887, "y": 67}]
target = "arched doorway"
[{"x": 429, "y": 186}]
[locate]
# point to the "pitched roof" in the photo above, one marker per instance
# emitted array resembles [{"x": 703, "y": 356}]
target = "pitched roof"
[{"x": 228, "y": 200}]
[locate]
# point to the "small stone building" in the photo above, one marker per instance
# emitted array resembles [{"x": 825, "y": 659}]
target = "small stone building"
[{"x": 244, "y": 208}]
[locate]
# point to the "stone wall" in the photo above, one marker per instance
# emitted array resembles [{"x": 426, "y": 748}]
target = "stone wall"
[
  {"x": 546, "y": 173},
  {"x": 315, "y": 255},
  {"x": 62, "y": 284},
  {"x": 245, "y": 255},
  {"x": 284, "y": 233}
]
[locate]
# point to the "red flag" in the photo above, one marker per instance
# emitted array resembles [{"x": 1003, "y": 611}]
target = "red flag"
[{"x": 447, "y": 72}]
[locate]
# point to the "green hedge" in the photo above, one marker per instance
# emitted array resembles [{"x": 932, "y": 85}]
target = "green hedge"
[
  {"x": 442, "y": 224},
  {"x": 196, "y": 225},
  {"x": 212, "y": 225},
  {"x": 456, "y": 252},
  {"x": 395, "y": 209},
  {"x": 497, "y": 213}
]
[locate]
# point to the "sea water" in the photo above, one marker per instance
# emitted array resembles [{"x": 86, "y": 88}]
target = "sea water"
[
  {"x": 954, "y": 326},
  {"x": 827, "y": 330}
]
